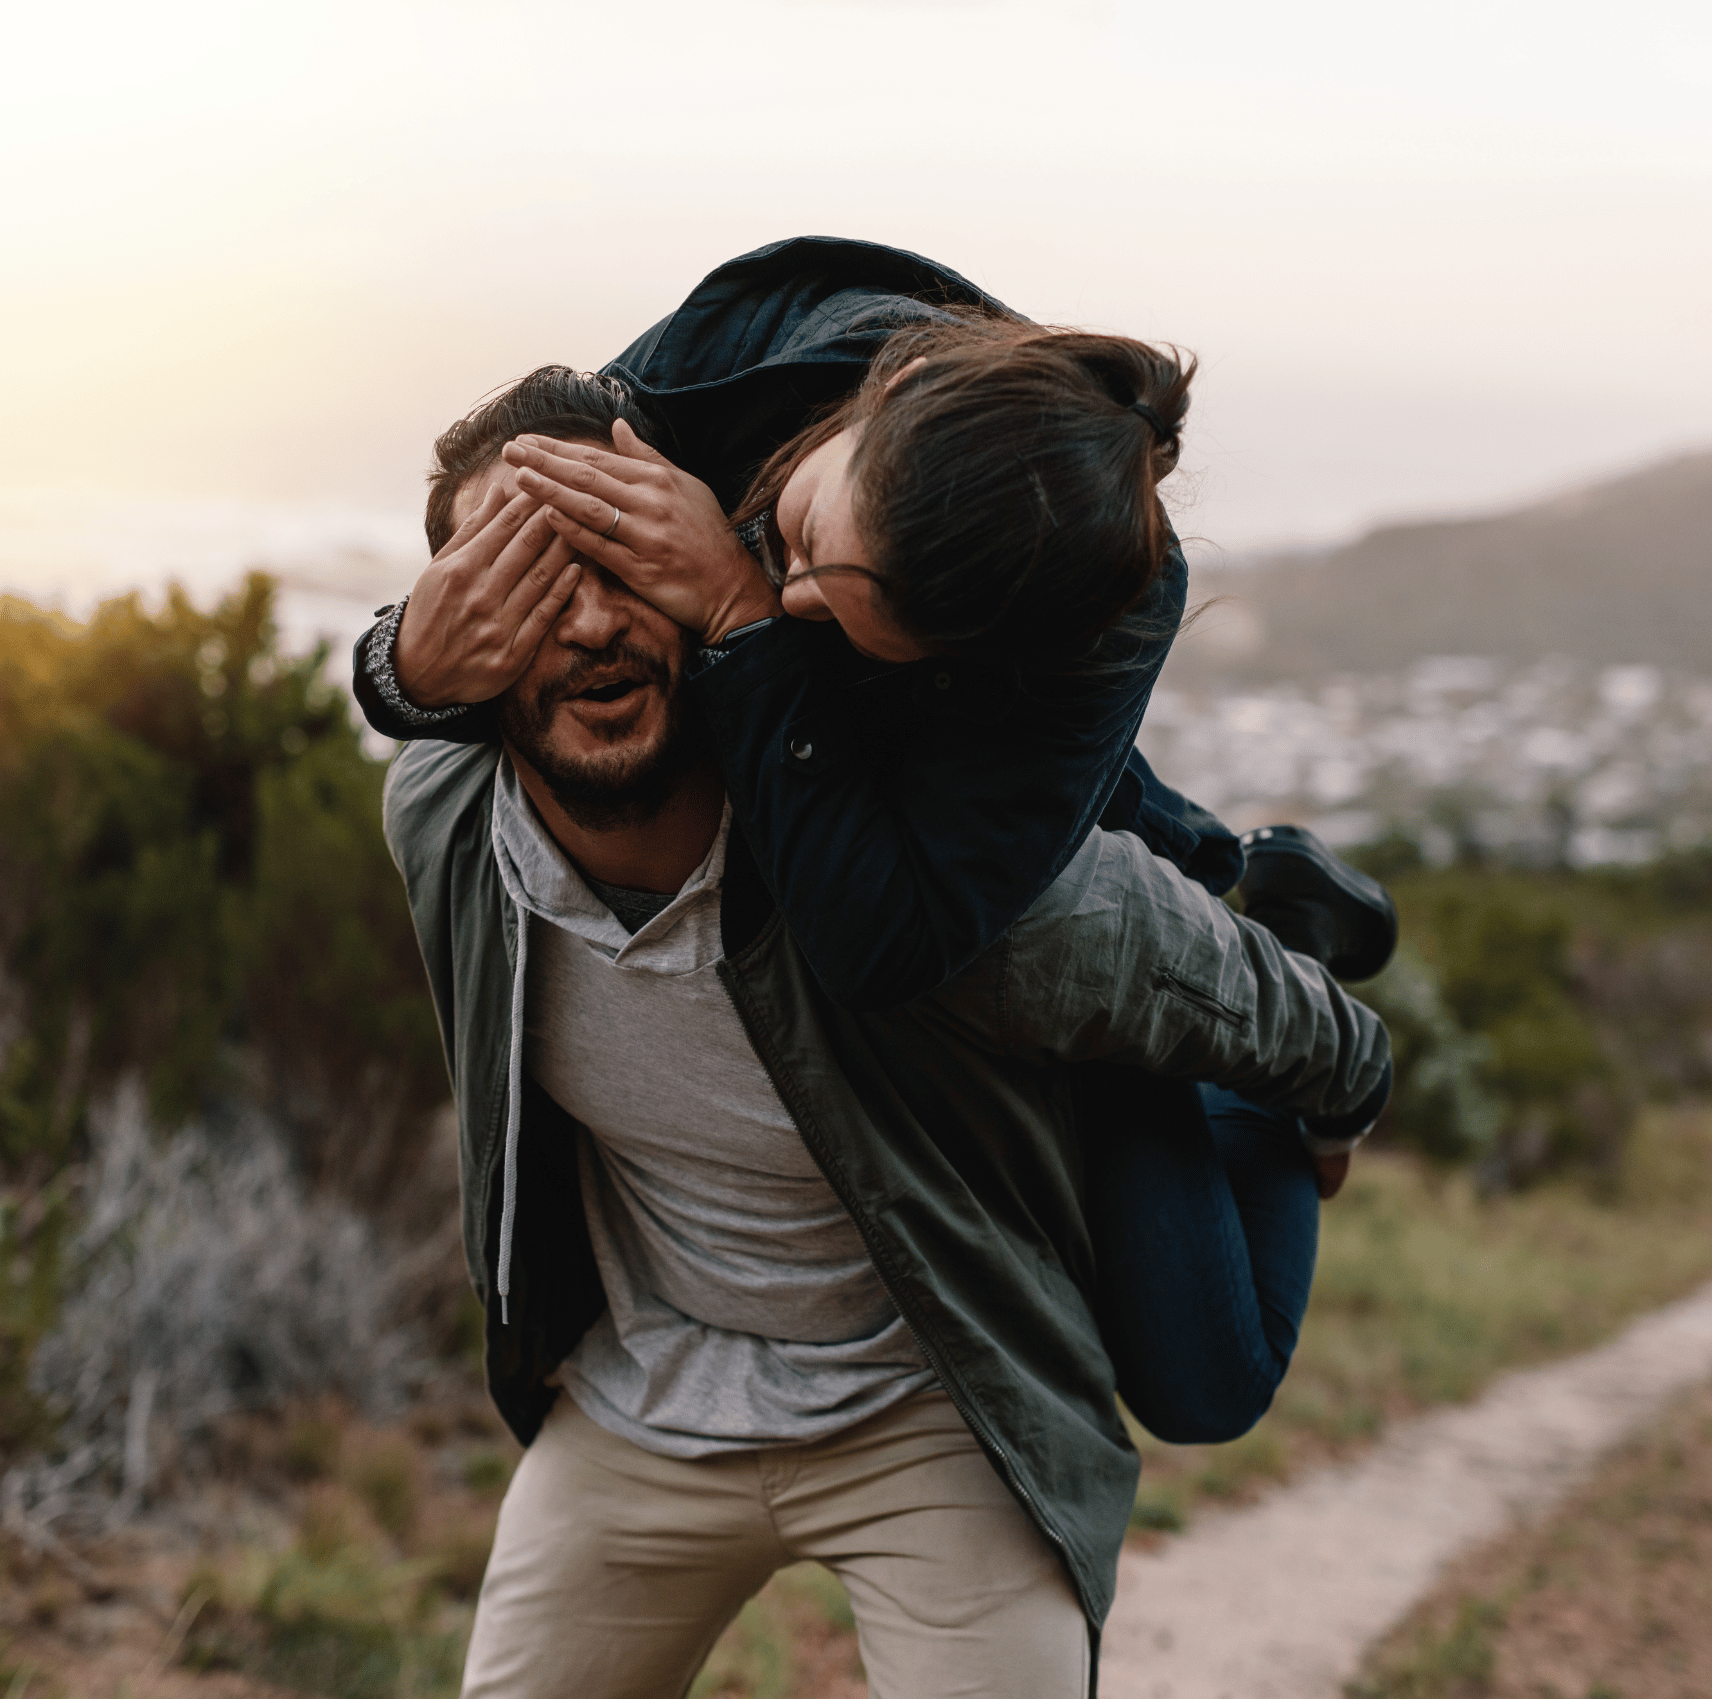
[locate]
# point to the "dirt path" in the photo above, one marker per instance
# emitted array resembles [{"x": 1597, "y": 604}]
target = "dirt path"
[{"x": 1279, "y": 1601}]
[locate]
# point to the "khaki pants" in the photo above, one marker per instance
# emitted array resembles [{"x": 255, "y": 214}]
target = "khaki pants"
[{"x": 615, "y": 1570}]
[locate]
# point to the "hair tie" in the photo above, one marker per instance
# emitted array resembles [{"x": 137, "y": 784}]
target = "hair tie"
[{"x": 1160, "y": 428}]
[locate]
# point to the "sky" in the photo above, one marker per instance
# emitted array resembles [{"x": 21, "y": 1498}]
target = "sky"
[{"x": 1432, "y": 258}]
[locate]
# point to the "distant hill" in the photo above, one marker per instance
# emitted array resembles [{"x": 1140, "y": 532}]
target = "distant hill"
[{"x": 1618, "y": 572}]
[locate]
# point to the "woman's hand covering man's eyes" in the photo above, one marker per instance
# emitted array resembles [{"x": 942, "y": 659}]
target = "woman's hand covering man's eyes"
[
  {"x": 659, "y": 530},
  {"x": 479, "y": 612}
]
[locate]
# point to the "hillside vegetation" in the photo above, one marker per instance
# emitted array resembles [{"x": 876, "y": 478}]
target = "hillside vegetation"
[
  {"x": 1613, "y": 574},
  {"x": 199, "y": 923},
  {"x": 229, "y": 1272}
]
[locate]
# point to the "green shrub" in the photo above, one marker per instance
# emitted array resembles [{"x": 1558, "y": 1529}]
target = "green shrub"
[
  {"x": 32, "y": 1236},
  {"x": 1531, "y": 1013},
  {"x": 1441, "y": 1103},
  {"x": 194, "y": 889},
  {"x": 191, "y": 864}
]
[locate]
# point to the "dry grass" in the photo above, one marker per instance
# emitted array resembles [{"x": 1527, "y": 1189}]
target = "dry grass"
[
  {"x": 1610, "y": 1598},
  {"x": 327, "y": 1555},
  {"x": 337, "y": 1557},
  {"x": 795, "y": 1639}
]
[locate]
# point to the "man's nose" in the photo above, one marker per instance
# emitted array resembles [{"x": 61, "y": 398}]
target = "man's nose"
[{"x": 598, "y": 612}]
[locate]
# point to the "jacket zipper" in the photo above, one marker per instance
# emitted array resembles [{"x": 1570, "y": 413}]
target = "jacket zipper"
[{"x": 977, "y": 1423}]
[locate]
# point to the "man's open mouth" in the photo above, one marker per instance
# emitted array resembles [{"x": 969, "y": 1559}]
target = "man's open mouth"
[{"x": 612, "y": 692}]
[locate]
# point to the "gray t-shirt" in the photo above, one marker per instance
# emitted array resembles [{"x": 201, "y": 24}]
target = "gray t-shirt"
[
  {"x": 631, "y": 909},
  {"x": 743, "y": 1308}
]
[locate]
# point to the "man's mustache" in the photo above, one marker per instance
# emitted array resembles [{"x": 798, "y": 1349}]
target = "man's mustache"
[{"x": 586, "y": 668}]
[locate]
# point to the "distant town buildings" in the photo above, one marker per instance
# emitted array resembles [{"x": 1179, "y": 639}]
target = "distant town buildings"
[{"x": 1551, "y": 762}]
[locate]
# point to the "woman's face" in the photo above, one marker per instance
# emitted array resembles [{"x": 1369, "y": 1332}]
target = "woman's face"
[{"x": 816, "y": 519}]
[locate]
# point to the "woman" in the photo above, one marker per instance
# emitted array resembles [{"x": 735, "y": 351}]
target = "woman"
[{"x": 980, "y": 519}]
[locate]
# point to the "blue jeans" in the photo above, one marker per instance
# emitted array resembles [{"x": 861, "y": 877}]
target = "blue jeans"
[{"x": 1205, "y": 1221}]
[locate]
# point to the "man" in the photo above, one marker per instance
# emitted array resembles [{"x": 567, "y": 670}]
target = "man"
[{"x": 767, "y": 1280}]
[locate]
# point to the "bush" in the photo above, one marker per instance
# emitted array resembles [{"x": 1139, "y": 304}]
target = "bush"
[
  {"x": 1532, "y": 1012},
  {"x": 194, "y": 887},
  {"x": 32, "y": 1229},
  {"x": 203, "y": 1280},
  {"x": 195, "y": 894},
  {"x": 1441, "y": 1103}
]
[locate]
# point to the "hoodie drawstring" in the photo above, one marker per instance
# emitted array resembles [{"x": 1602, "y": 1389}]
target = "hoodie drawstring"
[{"x": 513, "y": 1118}]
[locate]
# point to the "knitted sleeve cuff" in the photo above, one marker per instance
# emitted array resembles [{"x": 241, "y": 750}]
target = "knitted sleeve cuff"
[{"x": 382, "y": 673}]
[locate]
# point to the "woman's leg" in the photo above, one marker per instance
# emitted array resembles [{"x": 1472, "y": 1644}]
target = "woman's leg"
[{"x": 1205, "y": 1222}]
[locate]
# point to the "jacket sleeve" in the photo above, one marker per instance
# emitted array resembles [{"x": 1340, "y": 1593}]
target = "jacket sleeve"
[
  {"x": 901, "y": 843},
  {"x": 390, "y": 713},
  {"x": 1126, "y": 960}
]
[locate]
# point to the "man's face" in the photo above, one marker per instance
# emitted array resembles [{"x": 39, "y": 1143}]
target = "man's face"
[{"x": 599, "y": 713}]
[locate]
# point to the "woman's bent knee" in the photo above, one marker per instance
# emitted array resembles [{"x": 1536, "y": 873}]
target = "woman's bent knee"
[{"x": 1185, "y": 1419}]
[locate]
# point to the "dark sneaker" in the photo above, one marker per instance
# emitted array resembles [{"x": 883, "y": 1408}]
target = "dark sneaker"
[{"x": 1312, "y": 902}]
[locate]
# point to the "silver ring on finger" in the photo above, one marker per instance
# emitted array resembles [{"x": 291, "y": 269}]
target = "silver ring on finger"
[{"x": 616, "y": 516}]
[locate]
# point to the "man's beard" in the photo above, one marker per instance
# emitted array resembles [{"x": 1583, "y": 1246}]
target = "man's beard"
[{"x": 622, "y": 786}]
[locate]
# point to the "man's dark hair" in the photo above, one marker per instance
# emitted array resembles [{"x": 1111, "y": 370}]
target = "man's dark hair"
[{"x": 553, "y": 401}]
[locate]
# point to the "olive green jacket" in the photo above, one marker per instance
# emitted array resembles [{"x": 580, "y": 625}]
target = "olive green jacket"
[{"x": 948, "y": 1128}]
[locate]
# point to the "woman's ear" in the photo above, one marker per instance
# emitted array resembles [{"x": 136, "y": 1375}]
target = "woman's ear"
[{"x": 915, "y": 365}]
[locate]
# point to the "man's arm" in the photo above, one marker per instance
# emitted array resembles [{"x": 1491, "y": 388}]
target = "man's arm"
[{"x": 1126, "y": 960}]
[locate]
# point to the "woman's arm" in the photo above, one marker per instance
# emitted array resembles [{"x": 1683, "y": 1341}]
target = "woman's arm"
[
  {"x": 437, "y": 661},
  {"x": 902, "y": 819}
]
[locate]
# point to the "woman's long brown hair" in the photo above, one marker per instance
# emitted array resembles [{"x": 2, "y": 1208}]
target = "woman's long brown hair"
[{"x": 1007, "y": 487}]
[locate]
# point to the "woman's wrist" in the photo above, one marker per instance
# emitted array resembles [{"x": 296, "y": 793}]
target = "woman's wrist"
[{"x": 747, "y": 607}]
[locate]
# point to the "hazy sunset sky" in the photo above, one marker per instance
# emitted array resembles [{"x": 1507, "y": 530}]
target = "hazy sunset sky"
[{"x": 1431, "y": 257}]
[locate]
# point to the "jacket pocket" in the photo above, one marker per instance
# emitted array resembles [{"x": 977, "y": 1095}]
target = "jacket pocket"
[{"x": 1198, "y": 998}]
